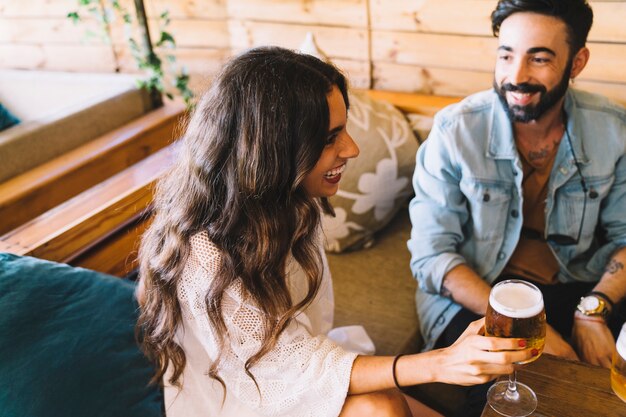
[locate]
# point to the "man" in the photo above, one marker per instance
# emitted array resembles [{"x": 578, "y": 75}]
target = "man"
[{"x": 527, "y": 180}]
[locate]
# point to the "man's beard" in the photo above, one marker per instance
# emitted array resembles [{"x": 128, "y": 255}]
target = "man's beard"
[{"x": 547, "y": 99}]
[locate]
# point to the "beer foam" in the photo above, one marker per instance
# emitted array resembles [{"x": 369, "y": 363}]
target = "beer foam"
[
  {"x": 516, "y": 300},
  {"x": 621, "y": 342}
]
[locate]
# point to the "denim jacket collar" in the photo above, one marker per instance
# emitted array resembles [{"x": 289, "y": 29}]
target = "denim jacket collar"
[{"x": 501, "y": 143}]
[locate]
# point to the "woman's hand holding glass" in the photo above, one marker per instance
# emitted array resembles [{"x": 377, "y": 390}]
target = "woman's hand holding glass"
[
  {"x": 476, "y": 359},
  {"x": 516, "y": 310}
]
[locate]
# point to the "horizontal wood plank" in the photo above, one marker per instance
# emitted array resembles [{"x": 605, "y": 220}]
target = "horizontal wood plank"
[
  {"x": 93, "y": 58},
  {"x": 78, "y": 224},
  {"x": 469, "y": 17},
  {"x": 195, "y": 32},
  {"x": 117, "y": 254},
  {"x": 443, "y": 51},
  {"x": 414, "y": 103},
  {"x": 50, "y": 30},
  {"x": 478, "y": 53},
  {"x": 37, "y": 8},
  {"x": 358, "y": 72},
  {"x": 426, "y": 80},
  {"x": 459, "y": 83},
  {"x": 472, "y": 17},
  {"x": 195, "y": 9},
  {"x": 336, "y": 42},
  {"x": 351, "y": 13}
]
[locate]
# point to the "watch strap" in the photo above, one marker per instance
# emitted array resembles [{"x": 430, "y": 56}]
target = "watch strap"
[{"x": 604, "y": 297}]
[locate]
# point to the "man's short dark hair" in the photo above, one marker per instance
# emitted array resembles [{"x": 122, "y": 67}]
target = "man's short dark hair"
[{"x": 576, "y": 14}]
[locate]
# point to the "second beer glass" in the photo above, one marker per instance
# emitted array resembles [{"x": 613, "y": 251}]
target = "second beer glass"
[
  {"x": 618, "y": 368},
  {"x": 515, "y": 310}
]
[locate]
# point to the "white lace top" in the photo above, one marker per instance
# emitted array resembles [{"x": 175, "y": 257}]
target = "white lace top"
[{"x": 306, "y": 374}]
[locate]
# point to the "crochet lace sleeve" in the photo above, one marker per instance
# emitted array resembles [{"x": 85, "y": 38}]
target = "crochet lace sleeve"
[{"x": 303, "y": 375}]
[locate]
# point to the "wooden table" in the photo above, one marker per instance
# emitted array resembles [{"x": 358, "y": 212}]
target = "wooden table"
[{"x": 568, "y": 389}]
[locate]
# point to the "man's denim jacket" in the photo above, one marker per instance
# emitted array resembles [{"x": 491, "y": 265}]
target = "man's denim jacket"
[{"x": 468, "y": 197}]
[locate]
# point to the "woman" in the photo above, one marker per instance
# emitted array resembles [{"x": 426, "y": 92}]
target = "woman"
[{"x": 236, "y": 298}]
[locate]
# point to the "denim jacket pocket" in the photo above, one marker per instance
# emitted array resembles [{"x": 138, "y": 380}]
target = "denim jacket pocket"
[
  {"x": 571, "y": 202},
  {"x": 488, "y": 205}
]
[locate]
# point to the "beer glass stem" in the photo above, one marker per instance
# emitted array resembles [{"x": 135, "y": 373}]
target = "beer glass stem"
[{"x": 511, "y": 391}]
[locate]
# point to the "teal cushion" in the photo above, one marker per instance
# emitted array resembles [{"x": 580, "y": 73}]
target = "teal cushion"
[
  {"x": 7, "y": 119},
  {"x": 67, "y": 344}
]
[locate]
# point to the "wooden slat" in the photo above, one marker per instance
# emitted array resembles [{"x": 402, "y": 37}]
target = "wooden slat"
[
  {"x": 38, "y": 190},
  {"x": 614, "y": 91},
  {"x": 49, "y": 30},
  {"x": 37, "y": 8},
  {"x": 435, "y": 81},
  {"x": 478, "y": 53},
  {"x": 70, "y": 229},
  {"x": 358, "y": 72},
  {"x": 196, "y": 9},
  {"x": 336, "y": 42},
  {"x": 351, "y": 13},
  {"x": 459, "y": 83},
  {"x": 606, "y": 63},
  {"x": 195, "y": 32},
  {"x": 442, "y": 51},
  {"x": 414, "y": 103},
  {"x": 609, "y": 18},
  {"x": 469, "y": 17},
  {"x": 117, "y": 254},
  {"x": 93, "y": 58},
  {"x": 472, "y": 17}
]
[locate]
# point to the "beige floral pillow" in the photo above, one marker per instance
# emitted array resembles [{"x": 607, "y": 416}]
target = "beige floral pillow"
[
  {"x": 377, "y": 184},
  {"x": 421, "y": 125}
]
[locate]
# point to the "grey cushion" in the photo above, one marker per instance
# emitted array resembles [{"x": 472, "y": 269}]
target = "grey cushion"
[{"x": 374, "y": 288}]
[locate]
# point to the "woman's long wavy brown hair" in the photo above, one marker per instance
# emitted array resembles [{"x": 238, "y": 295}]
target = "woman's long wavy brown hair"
[{"x": 252, "y": 139}]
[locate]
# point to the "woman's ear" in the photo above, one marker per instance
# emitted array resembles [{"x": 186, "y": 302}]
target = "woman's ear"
[{"x": 579, "y": 62}]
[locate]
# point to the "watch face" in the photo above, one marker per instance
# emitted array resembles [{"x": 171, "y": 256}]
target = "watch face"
[{"x": 590, "y": 303}]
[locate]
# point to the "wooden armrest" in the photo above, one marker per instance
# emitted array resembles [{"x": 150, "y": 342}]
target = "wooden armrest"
[
  {"x": 414, "y": 103},
  {"x": 30, "y": 194},
  {"x": 67, "y": 232}
]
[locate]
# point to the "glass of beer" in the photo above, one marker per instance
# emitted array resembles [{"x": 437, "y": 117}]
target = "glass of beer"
[
  {"x": 515, "y": 310},
  {"x": 618, "y": 367}
]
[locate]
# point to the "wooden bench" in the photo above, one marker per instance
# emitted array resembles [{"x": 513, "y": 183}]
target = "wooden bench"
[
  {"x": 99, "y": 228},
  {"x": 30, "y": 194}
]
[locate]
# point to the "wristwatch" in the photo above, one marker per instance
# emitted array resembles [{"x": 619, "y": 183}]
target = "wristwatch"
[{"x": 594, "y": 305}]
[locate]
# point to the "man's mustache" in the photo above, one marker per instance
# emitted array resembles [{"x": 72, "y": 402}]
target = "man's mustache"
[{"x": 523, "y": 88}]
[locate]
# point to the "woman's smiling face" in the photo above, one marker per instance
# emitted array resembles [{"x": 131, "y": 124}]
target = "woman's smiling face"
[{"x": 323, "y": 179}]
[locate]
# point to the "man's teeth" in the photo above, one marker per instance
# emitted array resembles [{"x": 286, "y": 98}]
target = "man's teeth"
[{"x": 334, "y": 172}]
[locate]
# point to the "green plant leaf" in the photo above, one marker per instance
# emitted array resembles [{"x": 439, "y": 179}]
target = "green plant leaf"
[
  {"x": 165, "y": 38},
  {"x": 74, "y": 17}
]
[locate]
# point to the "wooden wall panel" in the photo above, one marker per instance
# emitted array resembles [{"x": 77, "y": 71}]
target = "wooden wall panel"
[
  {"x": 93, "y": 58},
  {"x": 36, "y": 8},
  {"x": 438, "y": 81},
  {"x": 336, "y": 42},
  {"x": 472, "y": 17},
  {"x": 48, "y": 30},
  {"x": 196, "y": 33},
  {"x": 443, "y": 51},
  {"x": 351, "y": 13},
  {"x": 438, "y": 46},
  {"x": 464, "y": 17},
  {"x": 190, "y": 9},
  {"x": 459, "y": 83}
]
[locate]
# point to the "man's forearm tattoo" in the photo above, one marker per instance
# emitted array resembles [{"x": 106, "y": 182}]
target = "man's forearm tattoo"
[{"x": 614, "y": 266}]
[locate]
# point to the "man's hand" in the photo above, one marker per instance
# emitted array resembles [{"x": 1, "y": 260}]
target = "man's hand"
[
  {"x": 593, "y": 340},
  {"x": 556, "y": 345}
]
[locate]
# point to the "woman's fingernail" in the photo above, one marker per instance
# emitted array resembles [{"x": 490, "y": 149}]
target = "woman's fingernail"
[
  {"x": 521, "y": 343},
  {"x": 534, "y": 352}
]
